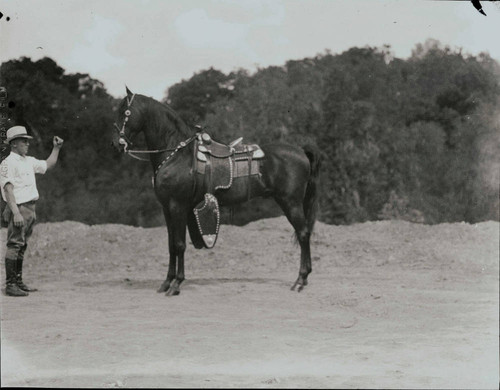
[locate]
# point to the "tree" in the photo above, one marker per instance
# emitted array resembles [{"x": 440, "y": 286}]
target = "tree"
[
  {"x": 193, "y": 98},
  {"x": 416, "y": 139}
]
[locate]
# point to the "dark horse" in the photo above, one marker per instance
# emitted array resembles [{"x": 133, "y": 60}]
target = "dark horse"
[{"x": 288, "y": 173}]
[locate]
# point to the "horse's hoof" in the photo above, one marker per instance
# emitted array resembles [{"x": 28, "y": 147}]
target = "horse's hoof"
[
  {"x": 300, "y": 285},
  {"x": 299, "y": 289},
  {"x": 164, "y": 287},
  {"x": 172, "y": 292}
]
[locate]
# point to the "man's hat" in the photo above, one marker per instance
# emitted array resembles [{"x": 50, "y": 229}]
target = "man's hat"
[{"x": 17, "y": 132}]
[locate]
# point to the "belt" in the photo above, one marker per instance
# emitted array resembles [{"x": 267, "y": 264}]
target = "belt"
[{"x": 31, "y": 202}]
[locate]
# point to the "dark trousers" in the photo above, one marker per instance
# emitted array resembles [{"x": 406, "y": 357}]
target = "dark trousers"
[{"x": 17, "y": 237}]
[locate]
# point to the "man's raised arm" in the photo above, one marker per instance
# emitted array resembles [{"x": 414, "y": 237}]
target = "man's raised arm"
[{"x": 57, "y": 145}]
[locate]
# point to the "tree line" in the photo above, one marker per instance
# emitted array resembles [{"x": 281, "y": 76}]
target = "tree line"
[{"x": 415, "y": 139}]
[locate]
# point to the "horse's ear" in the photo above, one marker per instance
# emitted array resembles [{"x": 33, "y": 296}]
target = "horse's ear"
[{"x": 129, "y": 93}]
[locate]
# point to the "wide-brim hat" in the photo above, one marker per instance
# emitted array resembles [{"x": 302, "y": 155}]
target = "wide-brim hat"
[{"x": 17, "y": 132}]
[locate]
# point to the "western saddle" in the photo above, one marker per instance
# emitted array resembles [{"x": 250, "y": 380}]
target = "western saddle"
[{"x": 219, "y": 164}]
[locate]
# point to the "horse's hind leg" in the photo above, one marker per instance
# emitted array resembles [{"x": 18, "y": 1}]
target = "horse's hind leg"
[
  {"x": 294, "y": 212},
  {"x": 172, "y": 265}
]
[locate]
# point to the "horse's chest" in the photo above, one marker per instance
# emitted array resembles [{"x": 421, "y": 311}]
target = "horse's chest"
[{"x": 173, "y": 182}]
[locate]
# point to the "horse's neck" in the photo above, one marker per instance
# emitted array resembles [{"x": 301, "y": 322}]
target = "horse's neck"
[{"x": 162, "y": 134}]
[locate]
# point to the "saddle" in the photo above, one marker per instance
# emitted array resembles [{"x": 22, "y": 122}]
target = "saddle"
[{"x": 220, "y": 164}]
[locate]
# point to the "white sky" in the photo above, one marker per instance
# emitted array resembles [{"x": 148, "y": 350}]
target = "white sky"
[{"x": 152, "y": 44}]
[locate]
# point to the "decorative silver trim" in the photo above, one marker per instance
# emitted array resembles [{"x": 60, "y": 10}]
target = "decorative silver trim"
[{"x": 208, "y": 239}]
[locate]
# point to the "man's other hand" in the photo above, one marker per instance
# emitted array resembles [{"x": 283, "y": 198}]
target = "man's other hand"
[
  {"x": 57, "y": 142},
  {"x": 18, "y": 220}
]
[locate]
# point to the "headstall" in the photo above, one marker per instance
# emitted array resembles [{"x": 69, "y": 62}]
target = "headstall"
[{"x": 125, "y": 141}]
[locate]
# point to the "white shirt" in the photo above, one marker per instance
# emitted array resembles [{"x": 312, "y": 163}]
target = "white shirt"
[{"x": 20, "y": 172}]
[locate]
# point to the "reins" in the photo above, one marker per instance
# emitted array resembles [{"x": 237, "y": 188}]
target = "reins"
[
  {"x": 181, "y": 145},
  {"x": 132, "y": 153}
]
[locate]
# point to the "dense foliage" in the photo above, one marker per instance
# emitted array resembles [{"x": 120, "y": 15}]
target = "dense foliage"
[{"x": 415, "y": 139}]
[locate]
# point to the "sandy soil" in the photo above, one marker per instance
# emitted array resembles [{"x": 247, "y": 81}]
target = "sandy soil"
[{"x": 389, "y": 305}]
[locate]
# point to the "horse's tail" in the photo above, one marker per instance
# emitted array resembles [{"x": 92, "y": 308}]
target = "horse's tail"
[{"x": 312, "y": 189}]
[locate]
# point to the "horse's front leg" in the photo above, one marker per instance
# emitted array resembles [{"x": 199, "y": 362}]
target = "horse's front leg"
[
  {"x": 178, "y": 214},
  {"x": 172, "y": 265}
]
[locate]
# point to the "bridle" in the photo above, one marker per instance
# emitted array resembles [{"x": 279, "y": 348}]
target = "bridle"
[{"x": 125, "y": 141}]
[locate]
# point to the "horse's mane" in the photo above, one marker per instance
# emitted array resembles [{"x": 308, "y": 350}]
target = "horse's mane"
[{"x": 163, "y": 117}]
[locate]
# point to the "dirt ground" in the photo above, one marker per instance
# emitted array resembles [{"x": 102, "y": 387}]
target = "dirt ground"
[{"x": 389, "y": 305}]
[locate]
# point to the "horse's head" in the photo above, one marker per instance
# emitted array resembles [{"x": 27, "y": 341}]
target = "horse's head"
[
  {"x": 161, "y": 126},
  {"x": 129, "y": 122}
]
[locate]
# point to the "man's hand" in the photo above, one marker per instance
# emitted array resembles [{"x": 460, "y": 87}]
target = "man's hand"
[
  {"x": 57, "y": 142},
  {"x": 18, "y": 219}
]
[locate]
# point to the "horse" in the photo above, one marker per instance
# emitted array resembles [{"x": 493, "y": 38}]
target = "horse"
[{"x": 288, "y": 173}]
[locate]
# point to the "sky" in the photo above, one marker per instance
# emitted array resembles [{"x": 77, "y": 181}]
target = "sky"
[{"x": 150, "y": 45}]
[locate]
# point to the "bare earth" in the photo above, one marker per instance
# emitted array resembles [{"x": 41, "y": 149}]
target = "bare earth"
[{"x": 389, "y": 305}]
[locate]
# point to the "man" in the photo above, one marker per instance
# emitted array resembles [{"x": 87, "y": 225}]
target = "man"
[{"x": 18, "y": 186}]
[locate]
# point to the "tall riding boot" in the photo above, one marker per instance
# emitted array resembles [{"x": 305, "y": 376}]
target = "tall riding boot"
[
  {"x": 12, "y": 288},
  {"x": 19, "y": 277}
]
